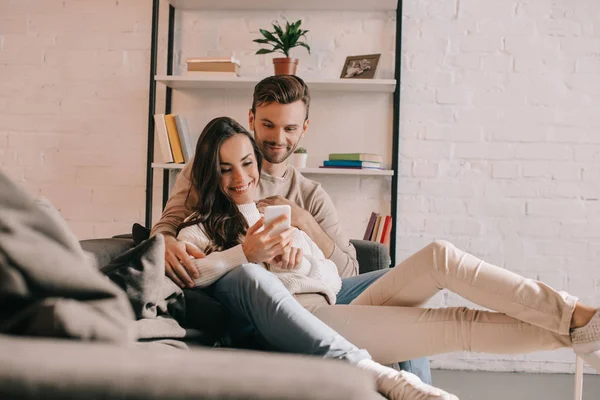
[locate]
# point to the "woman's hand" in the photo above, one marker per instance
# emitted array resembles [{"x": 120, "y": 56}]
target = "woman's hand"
[
  {"x": 260, "y": 246},
  {"x": 299, "y": 215},
  {"x": 179, "y": 266},
  {"x": 291, "y": 258}
]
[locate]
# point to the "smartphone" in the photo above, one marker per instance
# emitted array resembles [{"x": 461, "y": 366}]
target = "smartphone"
[{"x": 273, "y": 212}]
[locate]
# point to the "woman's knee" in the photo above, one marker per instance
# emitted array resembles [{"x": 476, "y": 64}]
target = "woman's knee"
[
  {"x": 248, "y": 273},
  {"x": 440, "y": 246}
]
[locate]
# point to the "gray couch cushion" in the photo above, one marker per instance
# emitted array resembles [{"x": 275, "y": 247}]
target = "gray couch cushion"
[
  {"x": 48, "y": 287},
  {"x": 159, "y": 305},
  {"x": 50, "y": 369},
  {"x": 105, "y": 250}
]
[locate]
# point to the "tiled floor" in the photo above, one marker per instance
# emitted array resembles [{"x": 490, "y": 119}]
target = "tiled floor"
[{"x": 513, "y": 386}]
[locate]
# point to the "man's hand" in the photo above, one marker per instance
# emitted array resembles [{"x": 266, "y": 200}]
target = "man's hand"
[
  {"x": 179, "y": 266},
  {"x": 299, "y": 215},
  {"x": 290, "y": 259}
]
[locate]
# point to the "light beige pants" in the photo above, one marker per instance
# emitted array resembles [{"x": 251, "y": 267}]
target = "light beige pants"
[{"x": 386, "y": 319}]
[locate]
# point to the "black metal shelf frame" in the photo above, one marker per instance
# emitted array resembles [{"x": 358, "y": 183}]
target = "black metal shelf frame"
[{"x": 168, "y": 101}]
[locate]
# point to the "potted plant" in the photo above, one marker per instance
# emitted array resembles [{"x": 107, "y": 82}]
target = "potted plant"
[
  {"x": 282, "y": 41},
  {"x": 300, "y": 157}
]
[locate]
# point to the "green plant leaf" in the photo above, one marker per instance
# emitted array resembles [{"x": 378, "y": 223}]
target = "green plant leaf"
[
  {"x": 270, "y": 36},
  {"x": 264, "y": 51},
  {"x": 278, "y": 29},
  {"x": 283, "y": 38},
  {"x": 305, "y": 46}
]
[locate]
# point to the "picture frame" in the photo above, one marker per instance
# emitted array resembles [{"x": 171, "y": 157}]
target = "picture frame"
[{"x": 360, "y": 67}]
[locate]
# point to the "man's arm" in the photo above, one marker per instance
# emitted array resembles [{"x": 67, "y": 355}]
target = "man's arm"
[
  {"x": 176, "y": 211},
  {"x": 338, "y": 248},
  {"x": 179, "y": 266}
]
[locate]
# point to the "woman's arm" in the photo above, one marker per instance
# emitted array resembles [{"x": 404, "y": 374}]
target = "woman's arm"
[{"x": 216, "y": 264}]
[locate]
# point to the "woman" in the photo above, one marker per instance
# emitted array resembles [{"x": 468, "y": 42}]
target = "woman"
[{"x": 531, "y": 317}]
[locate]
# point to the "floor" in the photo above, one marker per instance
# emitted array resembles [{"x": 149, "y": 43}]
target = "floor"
[{"x": 514, "y": 386}]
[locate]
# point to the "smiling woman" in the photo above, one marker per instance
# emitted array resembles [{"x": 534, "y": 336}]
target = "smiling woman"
[
  {"x": 239, "y": 173},
  {"x": 228, "y": 145}
]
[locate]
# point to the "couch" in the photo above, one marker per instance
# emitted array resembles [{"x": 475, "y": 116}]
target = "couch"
[
  {"x": 52, "y": 368},
  {"x": 370, "y": 255}
]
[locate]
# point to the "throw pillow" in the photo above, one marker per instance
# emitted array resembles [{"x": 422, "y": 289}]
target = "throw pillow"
[
  {"x": 139, "y": 233},
  {"x": 47, "y": 285},
  {"x": 140, "y": 273}
]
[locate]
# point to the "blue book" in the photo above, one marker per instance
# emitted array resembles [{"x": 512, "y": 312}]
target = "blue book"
[{"x": 355, "y": 164}]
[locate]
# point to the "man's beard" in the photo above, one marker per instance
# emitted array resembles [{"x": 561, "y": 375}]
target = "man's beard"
[{"x": 276, "y": 159}]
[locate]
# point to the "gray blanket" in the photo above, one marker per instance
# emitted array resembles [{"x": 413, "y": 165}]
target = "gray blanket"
[{"x": 48, "y": 287}]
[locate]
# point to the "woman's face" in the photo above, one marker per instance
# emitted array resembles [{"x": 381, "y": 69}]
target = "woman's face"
[{"x": 239, "y": 171}]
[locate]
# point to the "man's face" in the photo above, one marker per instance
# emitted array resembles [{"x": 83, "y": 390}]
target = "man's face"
[{"x": 278, "y": 129}]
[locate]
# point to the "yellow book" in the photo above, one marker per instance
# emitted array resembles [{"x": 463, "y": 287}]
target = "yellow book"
[
  {"x": 174, "y": 138},
  {"x": 376, "y": 228}
]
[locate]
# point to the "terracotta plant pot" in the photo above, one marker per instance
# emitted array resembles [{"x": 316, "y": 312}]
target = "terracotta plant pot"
[{"x": 285, "y": 66}]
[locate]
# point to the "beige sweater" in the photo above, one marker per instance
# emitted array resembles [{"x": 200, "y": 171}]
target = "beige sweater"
[
  {"x": 293, "y": 186},
  {"x": 316, "y": 274}
]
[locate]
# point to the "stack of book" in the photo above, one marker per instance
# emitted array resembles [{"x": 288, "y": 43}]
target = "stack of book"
[
  {"x": 206, "y": 66},
  {"x": 379, "y": 229},
  {"x": 174, "y": 138},
  {"x": 354, "y": 161}
]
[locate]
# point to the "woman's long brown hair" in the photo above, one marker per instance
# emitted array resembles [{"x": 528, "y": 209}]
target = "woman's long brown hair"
[{"x": 220, "y": 218}]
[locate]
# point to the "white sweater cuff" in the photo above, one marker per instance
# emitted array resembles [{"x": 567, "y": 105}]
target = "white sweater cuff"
[{"x": 217, "y": 264}]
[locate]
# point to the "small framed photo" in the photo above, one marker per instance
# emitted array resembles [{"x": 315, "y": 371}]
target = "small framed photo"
[{"x": 360, "y": 67}]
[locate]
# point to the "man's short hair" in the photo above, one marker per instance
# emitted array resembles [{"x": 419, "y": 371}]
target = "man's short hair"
[{"x": 282, "y": 89}]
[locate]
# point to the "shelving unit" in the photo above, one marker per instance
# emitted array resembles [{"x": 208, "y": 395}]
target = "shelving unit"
[
  {"x": 323, "y": 5},
  {"x": 194, "y": 83},
  {"x": 316, "y": 85},
  {"x": 306, "y": 171}
]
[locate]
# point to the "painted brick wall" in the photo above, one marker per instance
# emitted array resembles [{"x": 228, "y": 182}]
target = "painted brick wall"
[
  {"x": 500, "y": 144},
  {"x": 73, "y": 101},
  {"x": 499, "y": 140}
]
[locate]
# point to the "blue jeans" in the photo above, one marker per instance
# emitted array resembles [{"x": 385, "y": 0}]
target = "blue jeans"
[{"x": 260, "y": 302}]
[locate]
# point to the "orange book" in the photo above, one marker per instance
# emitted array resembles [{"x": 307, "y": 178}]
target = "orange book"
[
  {"x": 387, "y": 227},
  {"x": 174, "y": 138}
]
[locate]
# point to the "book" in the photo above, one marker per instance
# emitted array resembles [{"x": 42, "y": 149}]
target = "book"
[
  {"x": 211, "y": 73},
  {"x": 375, "y": 228},
  {"x": 347, "y": 163},
  {"x": 174, "y": 139},
  {"x": 384, "y": 231},
  {"x": 370, "y": 226},
  {"x": 380, "y": 229},
  {"x": 213, "y": 60},
  {"x": 185, "y": 139},
  {"x": 163, "y": 138},
  {"x": 214, "y": 67},
  {"x": 356, "y": 157},
  {"x": 388, "y": 233},
  {"x": 331, "y": 167}
]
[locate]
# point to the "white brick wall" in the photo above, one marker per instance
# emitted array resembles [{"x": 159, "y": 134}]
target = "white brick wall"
[
  {"x": 499, "y": 145},
  {"x": 73, "y": 99},
  {"x": 511, "y": 105}
]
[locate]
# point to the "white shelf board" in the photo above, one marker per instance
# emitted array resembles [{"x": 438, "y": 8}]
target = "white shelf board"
[
  {"x": 342, "y": 171},
  {"x": 335, "y": 5},
  {"x": 308, "y": 171},
  {"x": 315, "y": 85},
  {"x": 167, "y": 166}
]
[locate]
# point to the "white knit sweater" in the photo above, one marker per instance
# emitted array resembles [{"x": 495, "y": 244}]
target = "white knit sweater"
[{"x": 316, "y": 274}]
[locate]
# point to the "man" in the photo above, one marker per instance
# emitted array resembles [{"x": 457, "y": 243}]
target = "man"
[{"x": 279, "y": 119}]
